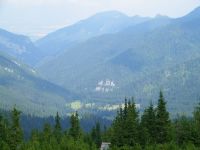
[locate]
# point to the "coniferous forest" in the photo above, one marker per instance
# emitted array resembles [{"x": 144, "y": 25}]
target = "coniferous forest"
[{"x": 151, "y": 130}]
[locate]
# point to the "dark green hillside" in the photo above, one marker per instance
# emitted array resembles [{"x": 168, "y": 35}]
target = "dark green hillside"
[
  {"x": 20, "y": 85},
  {"x": 180, "y": 83}
]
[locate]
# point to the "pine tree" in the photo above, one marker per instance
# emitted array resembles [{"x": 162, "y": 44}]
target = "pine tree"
[
  {"x": 3, "y": 131},
  {"x": 75, "y": 130},
  {"x": 184, "y": 129},
  {"x": 162, "y": 121},
  {"x": 96, "y": 134},
  {"x": 148, "y": 125},
  {"x": 196, "y": 115},
  {"x": 117, "y": 129},
  {"x": 47, "y": 132},
  {"x": 15, "y": 131},
  {"x": 125, "y": 125},
  {"x": 93, "y": 133},
  {"x": 131, "y": 124},
  {"x": 35, "y": 136},
  {"x": 125, "y": 111},
  {"x": 57, "y": 128}
]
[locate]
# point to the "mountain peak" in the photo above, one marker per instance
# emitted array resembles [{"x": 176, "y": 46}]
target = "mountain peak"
[
  {"x": 194, "y": 14},
  {"x": 161, "y": 16},
  {"x": 109, "y": 14}
]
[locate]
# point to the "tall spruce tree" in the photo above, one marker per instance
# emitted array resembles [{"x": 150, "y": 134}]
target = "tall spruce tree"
[
  {"x": 196, "y": 115},
  {"x": 125, "y": 125},
  {"x": 15, "y": 131},
  {"x": 148, "y": 125},
  {"x": 57, "y": 128},
  {"x": 47, "y": 132},
  {"x": 96, "y": 134},
  {"x": 3, "y": 131},
  {"x": 75, "y": 130},
  {"x": 125, "y": 111},
  {"x": 162, "y": 121},
  {"x": 93, "y": 133},
  {"x": 183, "y": 130},
  {"x": 144, "y": 136},
  {"x": 117, "y": 129},
  {"x": 131, "y": 124}
]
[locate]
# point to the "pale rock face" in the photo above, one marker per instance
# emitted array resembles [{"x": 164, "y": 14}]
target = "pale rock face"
[
  {"x": 9, "y": 70},
  {"x": 167, "y": 73},
  {"x": 100, "y": 83},
  {"x": 98, "y": 88},
  {"x": 109, "y": 107},
  {"x": 7, "y": 43},
  {"x": 90, "y": 105},
  {"x": 33, "y": 71},
  {"x": 105, "y": 86},
  {"x": 18, "y": 64}
]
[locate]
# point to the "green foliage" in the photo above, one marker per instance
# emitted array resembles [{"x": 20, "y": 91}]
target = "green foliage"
[
  {"x": 185, "y": 129},
  {"x": 15, "y": 132},
  {"x": 3, "y": 131},
  {"x": 96, "y": 134},
  {"x": 162, "y": 121},
  {"x": 197, "y": 124},
  {"x": 127, "y": 132},
  {"x": 148, "y": 126},
  {"x": 155, "y": 130},
  {"x": 75, "y": 130},
  {"x": 57, "y": 127},
  {"x": 125, "y": 125}
]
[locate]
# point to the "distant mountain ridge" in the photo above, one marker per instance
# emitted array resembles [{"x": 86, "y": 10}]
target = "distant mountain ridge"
[
  {"x": 19, "y": 46},
  {"x": 99, "y": 24},
  {"x": 127, "y": 56}
]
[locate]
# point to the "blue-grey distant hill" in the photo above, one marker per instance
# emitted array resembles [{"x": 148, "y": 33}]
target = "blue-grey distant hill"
[
  {"x": 132, "y": 55},
  {"x": 19, "y": 46},
  {"x": 99, "y": 24}
]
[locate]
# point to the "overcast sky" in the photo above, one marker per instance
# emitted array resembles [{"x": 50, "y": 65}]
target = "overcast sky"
[{"x": 39, "y": 17}]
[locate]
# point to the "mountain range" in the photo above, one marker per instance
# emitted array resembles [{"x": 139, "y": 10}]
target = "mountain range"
[
  {"x": 128, "y": 57},
  {"x": 99, "y": 24},
  {"x": 110, "y": 55}
]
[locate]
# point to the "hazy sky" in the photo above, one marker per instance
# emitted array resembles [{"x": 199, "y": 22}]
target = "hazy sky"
[{"x": 38, "y": 17}]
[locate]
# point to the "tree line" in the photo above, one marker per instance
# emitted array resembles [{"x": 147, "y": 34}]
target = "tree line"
[
  {"x": 154, "y": 129},
  {"x": 151, "y": 130}
]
